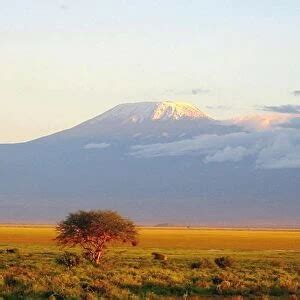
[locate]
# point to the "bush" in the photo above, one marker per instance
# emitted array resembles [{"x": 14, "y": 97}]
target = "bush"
[
  {"x": 159, "y": 256},
  {"x": 11, "y": 281},
  {"x": 224, "y": 262},
  {"x": 196, "y": 265},
  {"x": 202, "y": 263},
  {"x": 12, "y": 251},
  {"x": 15, "y": 282},
  {"x": 217, "y": 280},
  {"x": 279, "y": 263},
  {"x": 69, "y": 259}
]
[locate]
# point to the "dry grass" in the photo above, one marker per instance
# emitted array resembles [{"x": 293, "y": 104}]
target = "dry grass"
[
  {"x": 221, "y": 239},
  {"x": 27, "y": 235},
  {"x": 190, "y": 238},
  {"x": 258, "y": 268}
]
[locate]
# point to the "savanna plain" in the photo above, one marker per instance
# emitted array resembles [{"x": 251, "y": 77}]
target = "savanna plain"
[{"x": 194, "y": 263}]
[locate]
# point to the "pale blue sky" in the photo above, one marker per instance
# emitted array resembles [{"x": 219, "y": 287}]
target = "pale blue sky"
[{"x": 62, "y": 62}]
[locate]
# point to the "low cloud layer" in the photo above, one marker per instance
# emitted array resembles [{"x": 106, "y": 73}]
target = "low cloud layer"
[
  {"x": 286, "y": 109},
  {"x": 96, "y": 146},
  {"x": 228, "y": 154},
  {"x": 260, "y": 122},
  {"x": 272, "y": 149},
  {"x": 281, "y": 151},
  {"x": 292, "y": 123}
]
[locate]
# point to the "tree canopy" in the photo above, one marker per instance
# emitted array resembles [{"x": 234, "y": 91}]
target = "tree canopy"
[{"x": 93, "y": 230}]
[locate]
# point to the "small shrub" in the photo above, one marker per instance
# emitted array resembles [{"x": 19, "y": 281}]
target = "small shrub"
[
  {"x": 159, "y": 256},
  {"x": 279, "y": 263},
  {"x": 276, "y": 291},
  {"x": 202, "y": 263},
  {"x": 196, "y": 265},
  {"x": 69, "y": 259},
  {"x": 13, "y": 282},
  {"x": 134, "y": 243},
  {"x": 224, "y": 262},
  {"x": 12, "y": 251},
  {"x": 9, "y": 280},
  {"x": 217, "y": 280}
]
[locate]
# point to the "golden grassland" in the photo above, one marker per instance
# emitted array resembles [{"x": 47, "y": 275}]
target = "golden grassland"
[
  {"x": 266, "y": 263},
  {"x": 189, "y": 238}
]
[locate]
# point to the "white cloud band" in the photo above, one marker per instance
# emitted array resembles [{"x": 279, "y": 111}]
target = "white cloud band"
[{"x": 277, "y": 148}]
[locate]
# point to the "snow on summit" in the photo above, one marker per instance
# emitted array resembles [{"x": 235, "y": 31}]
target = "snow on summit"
[
  {"x": 176, "y": 110},
  {"x": 152, "y": 111}
]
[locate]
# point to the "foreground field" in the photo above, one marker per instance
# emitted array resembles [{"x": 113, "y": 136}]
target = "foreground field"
[{"x": 265, "y": 263}]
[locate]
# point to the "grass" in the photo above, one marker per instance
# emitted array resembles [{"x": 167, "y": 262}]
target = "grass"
[
  {"x": 266, "y": 262},
  {"x": 200, "y": 238}
]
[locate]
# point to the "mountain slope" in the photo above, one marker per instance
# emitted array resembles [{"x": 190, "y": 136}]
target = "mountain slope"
[
  {"x": 145, "y": 122},
  {"x": 151, "y": 111},
  {"x": 155, "y": 162}
]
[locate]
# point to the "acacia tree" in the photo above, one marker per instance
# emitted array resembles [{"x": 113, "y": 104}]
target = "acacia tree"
[{"x": 94, "y": 230}]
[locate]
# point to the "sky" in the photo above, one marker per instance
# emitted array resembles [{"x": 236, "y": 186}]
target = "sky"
[{"x": 63, "y": 62}]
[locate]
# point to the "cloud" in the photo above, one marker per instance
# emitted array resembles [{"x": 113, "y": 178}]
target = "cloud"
[
  {"x": 96, "y": 146},
  {"x": 292, "y": 123},
  {"x": 259, "y": 122},
  {"x": 283, "y": 151},
  {"x": 199, "y": 91},
  {"x": 296, "y": 93},
  {"x": 228, "y": 154},
  {"x": 218, "y": 107},
  {"x": 185, "y": 92},
  {"x": 285, "y": 109},
  {"x": 271, "y": 149},
  {"x": 207, "y": 144}
]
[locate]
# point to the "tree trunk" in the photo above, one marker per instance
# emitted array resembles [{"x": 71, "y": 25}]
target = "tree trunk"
[{"x": 98, "y": 256}]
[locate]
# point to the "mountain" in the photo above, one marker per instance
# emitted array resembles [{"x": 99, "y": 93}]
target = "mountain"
[
  {"x": 156, "y": 162},
  {"x": 146, "y": 121},
  {"x": 151, "y": 111}
]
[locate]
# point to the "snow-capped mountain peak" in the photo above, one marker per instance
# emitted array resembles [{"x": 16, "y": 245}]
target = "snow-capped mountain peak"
[
  {"x": 177, "y": 110},
  {"x": 152, "y": 111}
]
